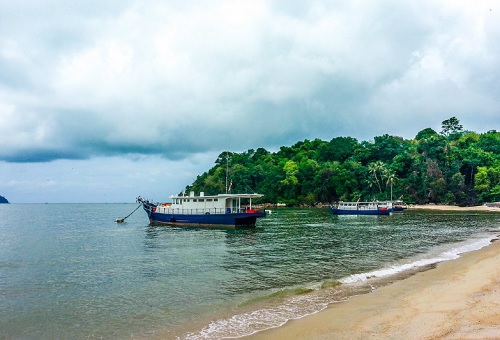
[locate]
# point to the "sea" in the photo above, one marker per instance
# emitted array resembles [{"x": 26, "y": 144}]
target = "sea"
[{"x": 69, "y": 271}]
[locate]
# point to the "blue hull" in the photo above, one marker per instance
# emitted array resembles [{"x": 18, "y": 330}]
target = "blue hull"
[
  {"x": 336, "y": 211},
  {"x": 230, "y": 220}
]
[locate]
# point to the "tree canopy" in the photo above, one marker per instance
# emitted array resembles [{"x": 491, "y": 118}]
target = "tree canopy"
[{"x": 452, "y": 167}]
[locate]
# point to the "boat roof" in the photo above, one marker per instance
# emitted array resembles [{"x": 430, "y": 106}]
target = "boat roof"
[
  {"x": 364, "y": 202},
  {"x": 221, "y": 196}
]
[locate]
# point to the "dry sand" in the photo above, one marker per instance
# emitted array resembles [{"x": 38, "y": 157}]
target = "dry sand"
[
  {"x": 460, "y": 299},
  {"x": 455, "y": 208}
]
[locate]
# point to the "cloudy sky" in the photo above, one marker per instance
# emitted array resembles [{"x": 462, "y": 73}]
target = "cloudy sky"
[{"x": 101, "y": 101}]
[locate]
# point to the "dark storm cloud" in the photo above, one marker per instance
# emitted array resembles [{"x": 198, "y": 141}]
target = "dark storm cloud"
[{"x": 124, "y": 78}]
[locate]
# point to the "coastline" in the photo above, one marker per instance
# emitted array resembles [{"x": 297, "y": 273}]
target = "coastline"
[
  {"x": 443, "y": 207},
  {"x": 459, "y": 299}
]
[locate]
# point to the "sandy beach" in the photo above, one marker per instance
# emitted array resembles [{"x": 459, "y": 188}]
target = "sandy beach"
[
  {"x": 493, "y": 207},
  {"x": 459, "y": 299}
]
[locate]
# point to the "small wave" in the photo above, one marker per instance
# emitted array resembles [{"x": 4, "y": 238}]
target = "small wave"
[
  {"x": 245, "y": 324},
  {"x": 445, "y": 255},
  {"x": 291, "y": 291},
  {"x": 330, "y": 284},
  {"x": 280, "y": 295}
]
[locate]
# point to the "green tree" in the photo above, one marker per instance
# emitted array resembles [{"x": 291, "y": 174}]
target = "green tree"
[
  {"x": 487, "y": 183},
  {"x": 451, "y": 126},
  {"x": 425, "y": 133},
  {"x": 338, "y": 149},
  {"x": 386, "y": 147},
  {"x": 291, "y": 171},
  {"x": 390, "y": 178},
  {"x": 489, "y": 142},
  {"x": 376, "y": 169}
]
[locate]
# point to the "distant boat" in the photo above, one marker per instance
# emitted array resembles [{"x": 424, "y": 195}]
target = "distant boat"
[
  {"x": 223, "y": 210},
  {"x": 362, "y": 208},
  {"x": 399, "y": 206}
]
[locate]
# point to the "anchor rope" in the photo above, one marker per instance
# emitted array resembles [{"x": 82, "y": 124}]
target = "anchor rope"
[{"x": 123, "y": 219}]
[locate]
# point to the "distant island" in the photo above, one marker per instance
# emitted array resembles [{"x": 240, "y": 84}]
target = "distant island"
[{"x": 3, "y": 200}]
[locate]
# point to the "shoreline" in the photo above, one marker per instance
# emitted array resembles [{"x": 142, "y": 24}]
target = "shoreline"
[
  {"x": 442, "y": 207},
  {"x": 458, "y": 299}
]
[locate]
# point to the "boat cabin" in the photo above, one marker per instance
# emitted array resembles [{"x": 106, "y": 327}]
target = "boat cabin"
[
  {"x": 218, "y": 204},
  {"x": 375, "y": 205}
]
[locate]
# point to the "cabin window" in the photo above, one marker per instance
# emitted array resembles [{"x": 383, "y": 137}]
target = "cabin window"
[
  {"x": 209, "y": 200},
  {"x": 202, "y": 200},
  {"x": 195, "y": 200},
  {"x": 216, "y": 199}
]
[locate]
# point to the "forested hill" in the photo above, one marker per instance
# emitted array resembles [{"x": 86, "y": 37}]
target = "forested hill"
[
  {"x": 3, "y": 200},
  {"x": 453, "y": 166}
]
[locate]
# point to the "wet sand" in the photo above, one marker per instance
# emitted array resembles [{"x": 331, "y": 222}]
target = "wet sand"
[{"x": 459, "y": 299}]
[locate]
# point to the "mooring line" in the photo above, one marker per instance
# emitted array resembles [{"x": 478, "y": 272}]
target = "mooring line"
[{"x": 121, "y": 220}]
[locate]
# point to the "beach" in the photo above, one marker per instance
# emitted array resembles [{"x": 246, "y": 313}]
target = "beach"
[
  {"x": 459, "y": 299},
  {"x": 493, "y": 207}
]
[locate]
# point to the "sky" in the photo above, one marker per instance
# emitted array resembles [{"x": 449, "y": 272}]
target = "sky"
[{"x": 102, "y": 101}]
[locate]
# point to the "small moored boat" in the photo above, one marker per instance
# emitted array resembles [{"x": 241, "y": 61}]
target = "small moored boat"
[
  {"x": 362, "y": 208},
  {"x": 399, "y": 206},
  {"x": 223, "y": 210}
]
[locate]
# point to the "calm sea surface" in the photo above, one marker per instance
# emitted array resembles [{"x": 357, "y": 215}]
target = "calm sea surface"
[{"x": 68, "y": 271}]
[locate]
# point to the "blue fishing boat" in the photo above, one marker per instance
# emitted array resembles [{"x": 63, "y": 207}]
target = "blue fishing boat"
[
  {"x": 362, "y": 208},
  {"x": 223, "y": 210}
]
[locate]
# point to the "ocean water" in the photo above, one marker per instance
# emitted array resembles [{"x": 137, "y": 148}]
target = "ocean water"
[{"x": 68, "y": 271}]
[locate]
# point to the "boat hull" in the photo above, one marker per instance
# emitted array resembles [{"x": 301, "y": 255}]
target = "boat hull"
[{"x": 228, "y": 220}]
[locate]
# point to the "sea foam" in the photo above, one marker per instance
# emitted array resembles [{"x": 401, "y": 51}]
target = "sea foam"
[{"x": 443, "y": 255}]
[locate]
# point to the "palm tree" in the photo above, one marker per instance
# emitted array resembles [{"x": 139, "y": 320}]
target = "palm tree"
[
  {"x": 391, "y": 179},
  {"x": 374, "y": 168}
]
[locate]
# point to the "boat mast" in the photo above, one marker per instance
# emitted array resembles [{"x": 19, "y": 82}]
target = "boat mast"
[{"x": 227, "y": 168}]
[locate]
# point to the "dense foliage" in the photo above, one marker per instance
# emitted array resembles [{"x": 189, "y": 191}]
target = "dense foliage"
[{"x": 453, "y": 166}]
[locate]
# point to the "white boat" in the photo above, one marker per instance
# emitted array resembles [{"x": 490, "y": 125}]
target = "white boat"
[
  {"x": 362, "y": 208},
  {"x": 223, "y": 210}
]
